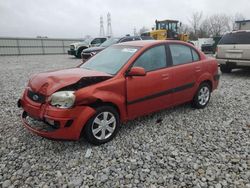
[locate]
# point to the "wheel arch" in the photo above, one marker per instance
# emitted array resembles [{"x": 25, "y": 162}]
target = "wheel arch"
[
  {"x": 209, "y": 82},
  {"x": 82, "y": 48},
  {"x": 99, "y": 103},
  {"x": 95, "y": 105},
  {"x": 206, "y": 78}
]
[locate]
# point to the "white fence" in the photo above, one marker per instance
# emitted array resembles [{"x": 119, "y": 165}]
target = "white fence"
[{"x": 34, "y": 46}]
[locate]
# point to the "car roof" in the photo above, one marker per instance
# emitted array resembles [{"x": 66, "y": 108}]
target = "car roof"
[
  {"x": 142, "y": 43},
  {"x": 128, "y": 37},
  {"x": 114, "y": 38},
  {"x": 239, "y": 31}
]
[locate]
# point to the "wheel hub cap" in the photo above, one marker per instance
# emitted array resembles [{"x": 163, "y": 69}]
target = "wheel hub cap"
[
  {"x": 203, "y": 96},
  {"x": 103, "y": 125}
]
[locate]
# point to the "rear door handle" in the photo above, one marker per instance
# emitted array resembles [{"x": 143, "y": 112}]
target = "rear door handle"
[
  {"x": 165, "y": 76},
  {"x": 197, "y": 69}
]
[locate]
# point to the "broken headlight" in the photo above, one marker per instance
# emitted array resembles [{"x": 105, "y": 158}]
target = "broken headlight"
[{"x": 63, "y": 99}]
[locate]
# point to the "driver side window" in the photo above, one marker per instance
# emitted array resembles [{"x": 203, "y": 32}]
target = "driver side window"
[{"x": 152, "y": 59}]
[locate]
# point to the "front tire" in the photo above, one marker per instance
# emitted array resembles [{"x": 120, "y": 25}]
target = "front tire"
[
  {"x": 103, "y": 126},
  {"x": 202, "y": 96}
]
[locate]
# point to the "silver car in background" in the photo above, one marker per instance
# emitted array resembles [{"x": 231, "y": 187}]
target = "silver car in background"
[{"x": 233, "y": 51}]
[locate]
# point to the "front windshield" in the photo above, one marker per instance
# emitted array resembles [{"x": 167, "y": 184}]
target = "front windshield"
[
  {"x": 87, "y": 40},
  {"x": 109, "y": 42},
  {"x": 111, "y": 59}
]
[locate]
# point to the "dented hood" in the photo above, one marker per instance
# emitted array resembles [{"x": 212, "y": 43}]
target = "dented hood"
[{"x": 48, "y": 82}]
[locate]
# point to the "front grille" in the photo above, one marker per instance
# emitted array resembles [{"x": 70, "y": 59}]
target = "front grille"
[
  {"x": 72, "y": 47},
  {"x": 36, "y": 97}
]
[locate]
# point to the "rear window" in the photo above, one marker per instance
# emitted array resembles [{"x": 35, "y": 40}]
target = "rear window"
[
  {"x": 236, "y": 38},
  {"x": 181, "y": 54}
]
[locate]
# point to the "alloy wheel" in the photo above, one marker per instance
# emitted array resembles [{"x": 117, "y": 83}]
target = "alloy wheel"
[
  {"x": 203, "y": 96},
  {"x": 104, "y": 125}
]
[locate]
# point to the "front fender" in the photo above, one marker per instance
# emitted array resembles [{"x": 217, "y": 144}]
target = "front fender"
[
  {"x": 114, "y": 93},
  {"x": 114, "y": 98}
]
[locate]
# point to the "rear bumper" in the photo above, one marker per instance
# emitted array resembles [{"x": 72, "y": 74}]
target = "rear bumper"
[
  {"x": 69, "y": 122},
  {"x": 234, "y": 62}
]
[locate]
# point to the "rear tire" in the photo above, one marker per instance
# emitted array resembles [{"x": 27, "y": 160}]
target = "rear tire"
[
  {"x": 202, "y": 96},
  {"x": 225, "y": 69},
  {"x": 103, "y": 126}
]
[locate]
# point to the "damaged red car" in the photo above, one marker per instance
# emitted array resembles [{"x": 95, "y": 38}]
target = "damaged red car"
[{"x": 122, "y": 82}]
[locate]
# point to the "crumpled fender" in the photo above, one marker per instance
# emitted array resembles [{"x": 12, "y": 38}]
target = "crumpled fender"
[{"x": 111, "y": 92}]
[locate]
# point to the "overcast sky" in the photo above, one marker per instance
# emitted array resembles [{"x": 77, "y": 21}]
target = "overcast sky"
[{"x": 77, "y": 18}]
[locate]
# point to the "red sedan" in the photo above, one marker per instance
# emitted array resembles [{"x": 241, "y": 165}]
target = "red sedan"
[{"x": 122, "y": 82}]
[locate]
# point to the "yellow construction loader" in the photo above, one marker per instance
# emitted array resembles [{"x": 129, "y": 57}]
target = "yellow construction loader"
[{"x": 166, "y": 30}]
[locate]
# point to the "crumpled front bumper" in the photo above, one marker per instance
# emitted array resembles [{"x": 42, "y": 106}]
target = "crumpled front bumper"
[{"x": 69, "y": 122}]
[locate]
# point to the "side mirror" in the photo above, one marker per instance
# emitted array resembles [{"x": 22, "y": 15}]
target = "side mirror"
[{"x": 136, "y": 71}]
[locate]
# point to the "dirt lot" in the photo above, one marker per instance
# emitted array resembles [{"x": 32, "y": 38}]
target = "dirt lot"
[{"x": 178, "y": 147}]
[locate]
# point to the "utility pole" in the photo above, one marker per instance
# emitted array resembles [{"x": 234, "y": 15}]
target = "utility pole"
[
  {"x": 109, "y": 27},
  {"x": 102, "y": 33}
]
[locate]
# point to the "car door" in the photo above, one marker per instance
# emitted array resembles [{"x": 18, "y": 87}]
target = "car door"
[
  {"x": 185, "y": 72},
  {"x": 149, "y": 93}
]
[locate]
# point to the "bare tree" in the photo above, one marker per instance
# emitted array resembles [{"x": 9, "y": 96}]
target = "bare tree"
[
  {"x": 218, "y": 24},
  {"x": 214, "y": 25},
  {"x": 237, "y": 17},
  {"x": 184, "y": 28},
  {"x": 205, "y": 29},
  {"x": 195, "y": 22}
]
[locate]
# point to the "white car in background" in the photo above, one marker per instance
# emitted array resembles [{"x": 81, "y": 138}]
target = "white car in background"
[{"x": 77, "y": 47}]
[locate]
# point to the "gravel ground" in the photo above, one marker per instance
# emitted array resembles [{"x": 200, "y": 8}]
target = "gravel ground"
[{"x": 179, "y": 147}]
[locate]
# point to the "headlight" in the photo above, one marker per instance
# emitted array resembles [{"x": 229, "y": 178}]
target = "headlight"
[{"x": 63, "y": 99}]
